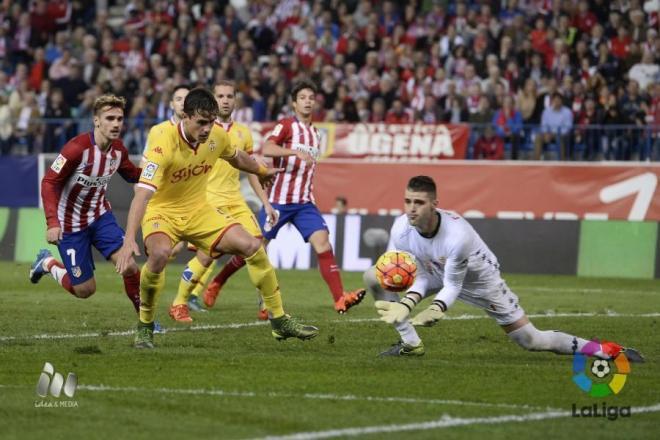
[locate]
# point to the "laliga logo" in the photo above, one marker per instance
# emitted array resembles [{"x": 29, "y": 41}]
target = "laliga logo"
[{"x": 600, "y": 369}]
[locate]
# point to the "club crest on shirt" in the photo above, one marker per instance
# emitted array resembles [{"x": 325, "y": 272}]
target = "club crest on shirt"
[
  {"x": 113, "y": 165},
  {"x": 58, "y": 164},
  {"x": 158, "y": 150},
  {"x": 76, "y": 272},
  {"x": 149, "y": 170},
  {"x": 212, "y": 145},
  {"x": 156, "y": 225}
]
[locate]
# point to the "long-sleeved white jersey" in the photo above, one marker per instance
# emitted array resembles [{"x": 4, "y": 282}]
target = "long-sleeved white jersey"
[{"x": 455, "y": 260}]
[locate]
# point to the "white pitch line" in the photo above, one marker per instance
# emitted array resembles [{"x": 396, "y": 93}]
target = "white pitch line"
[
  {"x": 580, "y": 290},
  {"x": 444, "y": 422},
  {"x": 130, "y": 332},
  {"x": 311, "y": 396},
  {"x": 464, "y": 317}
]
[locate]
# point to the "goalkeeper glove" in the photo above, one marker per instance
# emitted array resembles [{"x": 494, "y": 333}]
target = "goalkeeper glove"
[
  {"x": 430, "y": 315},
  {"x": 395, "y": 312}
]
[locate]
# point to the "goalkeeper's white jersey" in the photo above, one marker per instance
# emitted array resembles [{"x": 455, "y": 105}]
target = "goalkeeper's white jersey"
[{"x": 455, "y": 258}]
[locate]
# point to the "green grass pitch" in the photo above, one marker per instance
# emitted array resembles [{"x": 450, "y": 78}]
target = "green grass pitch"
[{"x": 226, "y": 377}]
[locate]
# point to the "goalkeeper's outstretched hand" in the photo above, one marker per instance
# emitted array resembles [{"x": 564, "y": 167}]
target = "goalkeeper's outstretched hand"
[
  {"x": 394, "y": 312},
  {"x": 429, "y": 316}
]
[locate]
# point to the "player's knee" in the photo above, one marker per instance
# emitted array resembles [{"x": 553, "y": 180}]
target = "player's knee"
[
  {"x": 130, "y": 270},
  {"x": 158, "y": 258},
  {"x": 369, "y": 278},
  {"x": 204, "y": 259},
  {"x": 84, "y": 291},
  {"x": 251, "y": 247},
  {"x": 530, "y": 338},
  {"x": 373, "y": 286}
]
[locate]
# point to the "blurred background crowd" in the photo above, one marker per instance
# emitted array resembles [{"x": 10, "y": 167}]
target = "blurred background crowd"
[{"x": 579, "y": 78}]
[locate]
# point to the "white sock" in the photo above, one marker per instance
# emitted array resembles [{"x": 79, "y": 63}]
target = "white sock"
[
  {"x": 530, "y": 338},
  {"x": 405, "y": 329},
  {"x": 408, "y": 333},
  {"x": 56, "y": 270}
]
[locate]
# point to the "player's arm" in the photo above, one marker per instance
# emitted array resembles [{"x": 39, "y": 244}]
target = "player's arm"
[
  {"x": 151, "y": 177},
  {"x": 51, "y": 188},
  {"x": 135, "y": 216},
  {"x": 127, "y": 170},
  {"x": 242, "y": 161},
  {"x": 273, "y": 146},
  {"x": 455, "y": 271},
  {"x": 272, "y": 215}
]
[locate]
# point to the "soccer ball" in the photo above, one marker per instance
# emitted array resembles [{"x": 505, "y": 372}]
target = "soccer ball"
[{"x": 395, "y": 271}]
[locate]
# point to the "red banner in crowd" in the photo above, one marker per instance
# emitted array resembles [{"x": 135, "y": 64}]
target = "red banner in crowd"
[
  {"x": 501, "y": 190},
  {"x": 384, "y": 142}
]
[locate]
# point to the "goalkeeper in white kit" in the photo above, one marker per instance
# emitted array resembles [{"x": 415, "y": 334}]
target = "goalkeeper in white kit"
[{"x": 453, "y": 262}]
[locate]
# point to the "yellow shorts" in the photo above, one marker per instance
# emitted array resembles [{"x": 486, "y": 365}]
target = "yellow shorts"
[
  {"x": 239, "y": 211},
  {"x": 204, "y": 228}
]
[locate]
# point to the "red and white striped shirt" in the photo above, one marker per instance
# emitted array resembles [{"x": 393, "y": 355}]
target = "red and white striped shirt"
[
  {"x": 73, "y": 189},
  {"x": 294, "y": 184}
]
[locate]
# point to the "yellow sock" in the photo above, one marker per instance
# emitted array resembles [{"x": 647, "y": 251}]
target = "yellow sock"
[
  {"x": 151, "y": 285},
  {"x": 189, "y": 279},
  {"x": 202, "y": 280},
  {"x": 263, "y": 277}
]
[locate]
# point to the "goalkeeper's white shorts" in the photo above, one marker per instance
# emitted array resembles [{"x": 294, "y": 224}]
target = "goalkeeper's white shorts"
[{"x": 497, "y": 300}]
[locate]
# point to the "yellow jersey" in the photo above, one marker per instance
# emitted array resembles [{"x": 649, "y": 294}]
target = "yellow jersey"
[
  {"x": 224, "y": 187},
  {"x": 178, "y": 171},
  {"x": 156, "y": 128}
]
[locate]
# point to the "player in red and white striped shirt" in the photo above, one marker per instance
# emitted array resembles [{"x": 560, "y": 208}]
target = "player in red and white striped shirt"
[
  {"x": 295, "y": 146},
  {"x": 78, "y": 215}
]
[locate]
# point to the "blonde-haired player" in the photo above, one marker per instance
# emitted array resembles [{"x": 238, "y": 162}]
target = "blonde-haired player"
[{"x": 223, "y": 192}]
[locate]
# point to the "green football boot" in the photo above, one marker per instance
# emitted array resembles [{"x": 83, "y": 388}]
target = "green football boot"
[
  {"x": 286, "y": 327},
  {"x": 144, "y": 337},
  {"x": 403, "y": 349}
]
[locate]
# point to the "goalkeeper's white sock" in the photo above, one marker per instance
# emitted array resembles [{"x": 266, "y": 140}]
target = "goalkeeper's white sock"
[
  {"x": 408, "y": 333},
  {"x": 406, "y": 330},
  {"x": 530, "y": 338}
]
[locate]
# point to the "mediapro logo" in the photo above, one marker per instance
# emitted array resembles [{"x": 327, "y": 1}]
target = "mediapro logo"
[{"x": 53, "y": 383}]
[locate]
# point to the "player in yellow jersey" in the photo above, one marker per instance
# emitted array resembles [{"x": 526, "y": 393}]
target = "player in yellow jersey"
[
  {"x": 176, "y": 105},
  {"x": 223, "y": 192},
  {"x": 170, "y": 204}
]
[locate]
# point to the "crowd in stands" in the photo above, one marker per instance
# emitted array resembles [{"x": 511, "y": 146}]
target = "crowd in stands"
[{"x": 542, "y": 75}]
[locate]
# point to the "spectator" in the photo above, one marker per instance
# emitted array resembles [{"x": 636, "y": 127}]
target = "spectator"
[
  {"x": 556, "y": 126},
  {"x": 645, "y": 72},
  {"x": 489, "y": 146},
  {"x": 243, "y": 113},
  {"x": 508, "y": 125},
  {"x": 356, "y": 51},
  {"x": 397, "y": 114},
  {"x": 453, "y": 106},
  {"x": 341, "y": 206},
  {"x": 6, "y": 127},
  {"x": 620, "y": 45},
  {"x": 615, "y": 142},
  {"x": 588, "y": 134},
  {"x": 56, "y": 126},
  {"x": 61, "y": 67},
  {"x": 27, "y": 128}
]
